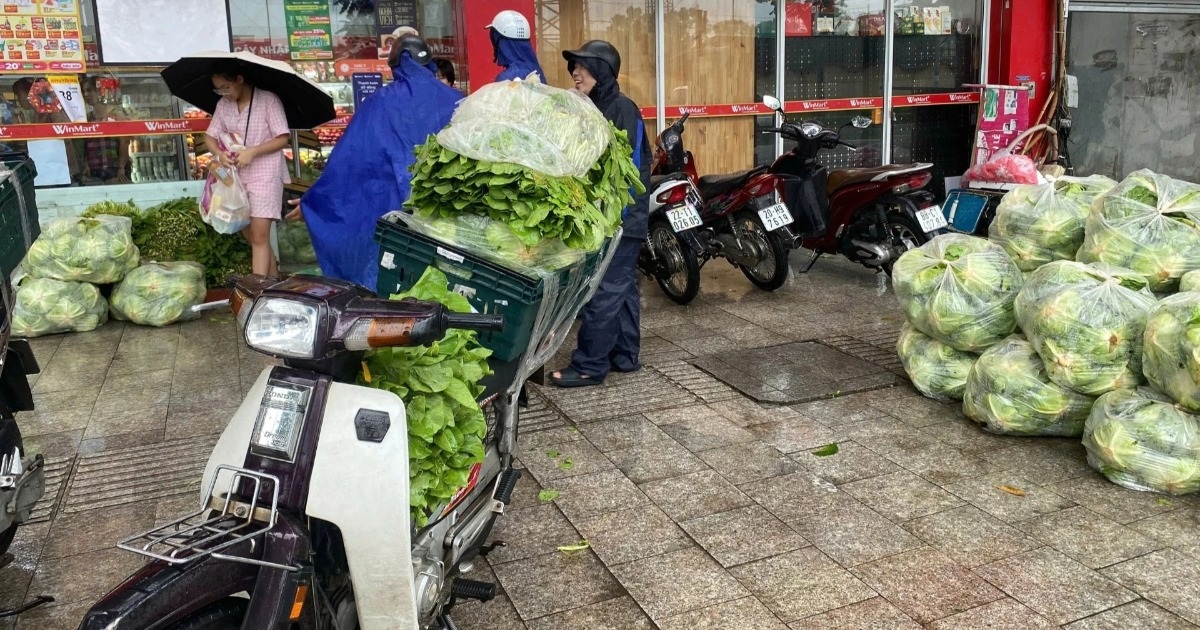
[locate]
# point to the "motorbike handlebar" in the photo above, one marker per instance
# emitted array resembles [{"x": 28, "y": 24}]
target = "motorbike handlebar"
[
  {"x": 471, "y": 321},
  {"x": 847, "y": 144},
  {"x": 773, "y": 130}
]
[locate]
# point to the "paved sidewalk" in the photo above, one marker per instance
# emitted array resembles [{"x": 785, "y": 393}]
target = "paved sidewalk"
[{"x": 707, "y": 503}]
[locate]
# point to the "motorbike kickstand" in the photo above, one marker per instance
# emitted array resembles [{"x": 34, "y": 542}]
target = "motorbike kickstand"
[
  {"x": 486, "y": 549},
  {"x": 812, "y": 260}
]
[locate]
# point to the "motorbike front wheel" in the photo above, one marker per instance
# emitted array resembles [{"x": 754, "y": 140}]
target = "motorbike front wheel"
[
  {"x": 678, "y": 260},
  {"x": 772, "y": 269},
  {"x": 226, "y": 614}
]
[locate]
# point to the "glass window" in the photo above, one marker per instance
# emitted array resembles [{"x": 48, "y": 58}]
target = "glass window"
[
  {"x": 628, "y": 25},
  {"x": 1138, "y": 84},
  {"x": 721, "y": 53},
  {"x": 937, "y": 46}
]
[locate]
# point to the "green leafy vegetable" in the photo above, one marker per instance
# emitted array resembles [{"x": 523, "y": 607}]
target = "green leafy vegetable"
[
  {"x": 1171, "y": 350},
  {"x": 173, "y": 231},
  {"x": 439, "y": 384},
  {"x": 582, "y": 545},
  {"x": 1149, "y": 223},
  {"x": 827, "y": 450},
  {"x": 1141, "y": 441},
  {"x": 1086, "y": 322},
  {"x": 959, "y": 290},
  {"x": 1009, "y": 393},
  {"x": 157, "y": 294},
  {"x": 566, "y": 464},
  {"x": 1190, "y": 281},
  {"x": 546, "y": 496},
  {"x": 99, "y": 250},
  {"x": 295, "y": 243},
  {"x": 46, "y": 306},
  {"x": 936, "y": 369},
  {"x": 582, "y": 212},
  {"x": 1044, "y": 223}
]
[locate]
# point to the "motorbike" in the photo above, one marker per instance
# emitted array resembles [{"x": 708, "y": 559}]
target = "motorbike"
[
  {"x": 869, "y": 215},
  {"x": 22, "y": 478},
  {"x": 697, "y": 219},
  {"x": 304, "y": 519}
]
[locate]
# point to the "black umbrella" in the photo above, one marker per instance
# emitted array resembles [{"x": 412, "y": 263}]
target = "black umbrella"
[{"x": 305, "y": 104}]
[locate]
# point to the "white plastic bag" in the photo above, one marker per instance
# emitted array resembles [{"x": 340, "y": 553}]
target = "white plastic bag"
[{"x": 225, "y": 205}]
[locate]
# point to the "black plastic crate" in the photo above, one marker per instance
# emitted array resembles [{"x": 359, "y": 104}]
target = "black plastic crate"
[
  {"x": 18, "y": 211},
  {"x": 491, "y": 288}
]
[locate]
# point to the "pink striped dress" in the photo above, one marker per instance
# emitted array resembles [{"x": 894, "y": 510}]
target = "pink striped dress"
[{"x": 265, "y": 176}]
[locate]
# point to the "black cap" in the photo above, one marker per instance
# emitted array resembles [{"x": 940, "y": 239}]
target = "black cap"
[
  {"x": 597, "y": 49},
  {"x": 416, "y": 47}
]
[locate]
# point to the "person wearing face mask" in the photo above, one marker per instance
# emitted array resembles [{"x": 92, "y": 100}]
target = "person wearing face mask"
[
  {"x": 511, "y": 48},
  {"x": 610, "y": 334},
  {"x": 367, "y": 175}
]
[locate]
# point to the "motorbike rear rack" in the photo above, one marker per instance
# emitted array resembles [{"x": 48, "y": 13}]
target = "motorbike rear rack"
[{"x": 222, "y": 522}]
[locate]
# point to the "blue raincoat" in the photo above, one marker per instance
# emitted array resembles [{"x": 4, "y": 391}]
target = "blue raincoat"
[
  {"x": 367, "y": 174},
  {"x": 517, "y": 58}
]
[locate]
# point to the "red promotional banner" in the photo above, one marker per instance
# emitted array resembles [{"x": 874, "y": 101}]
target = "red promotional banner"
[
  {"x": 799, "y": 19},
  {"x": 824, "y": 105}
]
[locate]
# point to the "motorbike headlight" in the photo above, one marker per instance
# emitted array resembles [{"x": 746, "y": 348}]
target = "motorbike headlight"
[
  {"x": 810, "y": 130},
  {"x": 283, "y": 327}
]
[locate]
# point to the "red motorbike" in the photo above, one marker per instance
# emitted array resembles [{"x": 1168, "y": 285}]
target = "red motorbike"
[
  {"x": 869, "y": 215},
  {"x": 696, "y": 219}
]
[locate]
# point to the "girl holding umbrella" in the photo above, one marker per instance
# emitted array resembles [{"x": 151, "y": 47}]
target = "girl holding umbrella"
[{"x": 257, "y": 117}]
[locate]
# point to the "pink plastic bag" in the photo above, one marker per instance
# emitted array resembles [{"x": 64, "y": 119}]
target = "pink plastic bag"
[{"x": 1004, "y": 168}]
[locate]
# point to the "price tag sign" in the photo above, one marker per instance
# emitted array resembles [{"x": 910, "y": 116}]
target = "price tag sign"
[{"x": 70, "y": 96}]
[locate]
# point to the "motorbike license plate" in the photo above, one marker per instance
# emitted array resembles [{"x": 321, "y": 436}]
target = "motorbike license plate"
[
  {"x": 931, "y": 219},
  {"x": 684, "y": 218},
  {"x": 775, "y": 217}
]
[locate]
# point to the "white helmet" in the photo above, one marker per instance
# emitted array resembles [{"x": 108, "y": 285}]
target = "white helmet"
[{"x": 511, "y": 24}]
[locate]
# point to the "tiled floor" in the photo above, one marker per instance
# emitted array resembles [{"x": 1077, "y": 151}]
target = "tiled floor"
[{"x": 704, "y": 509}]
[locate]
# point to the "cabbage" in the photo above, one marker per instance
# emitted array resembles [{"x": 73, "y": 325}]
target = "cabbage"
[
  {"x": 158, "y": 294},
  {"x": 295, "y": 244},
  {"x": 1008, "y": 392},
  {"x": 1148, "y": 223},
  {"x": 935, "y": 369},
  {"x": 959, "y": 290},
  {"x": 98, "y": 250},
  {"x": 1044, "y": 223},
  {"x": 1171, "y": 350},
  {"x": 45, "y": 306},
  {"x": 1140, "y": 441},
  {"x": 1190, "y": 281},
  {"x": 1086, "y": 322}
]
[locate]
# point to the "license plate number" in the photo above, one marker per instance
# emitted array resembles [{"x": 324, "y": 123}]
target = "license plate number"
[
  {"x": 775, "y": 217},
  {"x": 931, "y": 219},
  {"x": 684, "y": 218}
]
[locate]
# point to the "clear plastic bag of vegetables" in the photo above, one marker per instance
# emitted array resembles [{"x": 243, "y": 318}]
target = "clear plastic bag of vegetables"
[
  {"x": 295, "y": 243},
  {"x": 1171, "y": 351},
  {"x": 1044, "y": 223},
  {"x": 935, "y": 369},
  {"x": 1190, "y": 281},
  {"x": 158, "y": 294},
  {"x": 1008, "y": 392},
  {"x": 1149, "y": 223},
  {"x": 1087, "y": 322},
  {"x": 547, "y": 129},
  {"x": 98, "y": 250},
  {"x": 45, "y": 306},
  {"x": 1141, "y": 441},
  {"x": 959, "y": 289}
]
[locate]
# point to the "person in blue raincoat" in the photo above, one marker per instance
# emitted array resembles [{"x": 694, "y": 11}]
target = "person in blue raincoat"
[
  {"x": 513, "y": 51},
  {"x": 367, "y": 175}
]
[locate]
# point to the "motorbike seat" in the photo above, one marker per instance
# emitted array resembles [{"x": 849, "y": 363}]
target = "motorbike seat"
[
  {"x": 714, "y": 185},
  {"x": 655, "y": 180},
  {"x": 850, "y": 176}
]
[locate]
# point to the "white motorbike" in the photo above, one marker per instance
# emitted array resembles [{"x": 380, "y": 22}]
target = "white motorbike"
[{"x": 305, "y": 520}]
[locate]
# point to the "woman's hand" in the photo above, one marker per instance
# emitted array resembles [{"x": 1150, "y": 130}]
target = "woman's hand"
[
  {"x": 294, "y": 214},
  {"x": 225, "y": 158},
  {"x": 245, "y": 157}
]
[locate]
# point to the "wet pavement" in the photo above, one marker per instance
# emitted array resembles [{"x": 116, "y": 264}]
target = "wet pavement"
[{"x": 703, "y": 483}]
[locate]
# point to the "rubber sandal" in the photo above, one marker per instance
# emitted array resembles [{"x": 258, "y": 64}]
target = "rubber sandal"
[
  {"x": 570, "y": 377},
  {"x": 618, "y": 367}
]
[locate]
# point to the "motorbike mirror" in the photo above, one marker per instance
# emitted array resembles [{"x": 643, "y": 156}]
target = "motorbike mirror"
[
  {"x": 862, "y": 122},
  {"x": 772, "y": 102}
]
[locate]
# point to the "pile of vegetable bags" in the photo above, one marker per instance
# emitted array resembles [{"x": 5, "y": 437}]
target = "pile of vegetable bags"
[
  {"x": 63, "y": 267},
  {"x": 1041, "y": 224},
  {"x": 158, "y": 294},
  {"x": 1149, "y": 223},
  {"x": 957, "y": 292}
]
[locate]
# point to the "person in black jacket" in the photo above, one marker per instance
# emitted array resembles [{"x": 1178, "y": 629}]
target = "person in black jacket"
[{"x": 610, "y": 334}]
